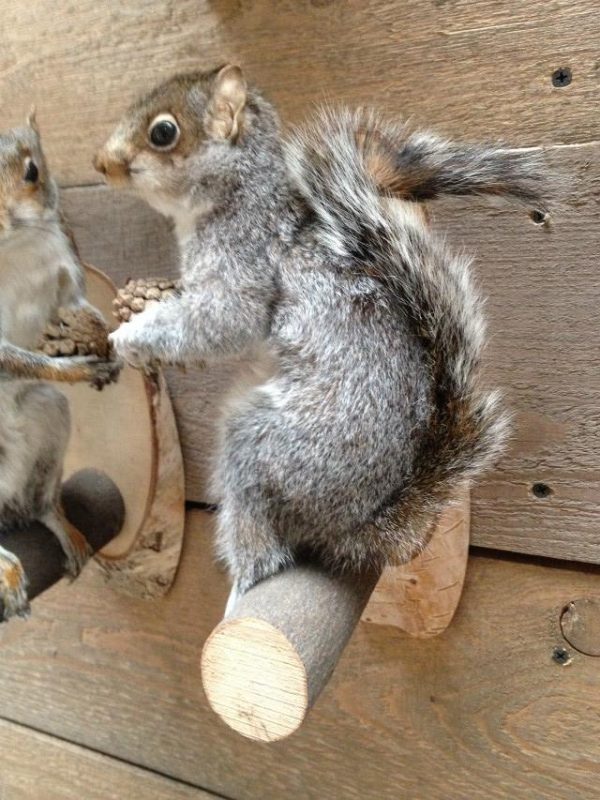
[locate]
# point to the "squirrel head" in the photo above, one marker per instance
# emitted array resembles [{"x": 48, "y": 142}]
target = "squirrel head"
[
  {"x": 28, "y": 195},
  {"x": 175, "y": 135}
]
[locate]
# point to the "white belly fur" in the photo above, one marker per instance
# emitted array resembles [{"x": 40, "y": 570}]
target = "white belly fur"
[{"x": 38, "y": 273}]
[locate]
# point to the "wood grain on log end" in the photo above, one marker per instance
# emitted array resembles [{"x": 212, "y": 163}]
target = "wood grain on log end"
[
  {"x": 254, "y": 679},
  {"x": 266, "y": 664}
]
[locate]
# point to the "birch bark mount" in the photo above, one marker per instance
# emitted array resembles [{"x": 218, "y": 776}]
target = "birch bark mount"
[
  {"x": 132, "y": 437},
  {"x": 421, "y": 597}
]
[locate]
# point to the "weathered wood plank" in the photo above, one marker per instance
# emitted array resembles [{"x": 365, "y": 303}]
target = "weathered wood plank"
[
  {"x": 543, "y": 289},
  {"x": 542, "y": 283},
  {"x": 470, "y": 67},
  {"x": 481, "y": 712},
  {"x": 35, "y": 765}
]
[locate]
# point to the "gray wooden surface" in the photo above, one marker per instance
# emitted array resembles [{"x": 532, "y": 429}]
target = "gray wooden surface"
[
  {"x": 40, "y": 767},
  {"x": 482, "y": 712},
  {"x": 466, "y": 66}
]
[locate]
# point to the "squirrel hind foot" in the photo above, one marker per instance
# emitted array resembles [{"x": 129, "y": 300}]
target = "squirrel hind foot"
[{"x": 13, "y": 586}]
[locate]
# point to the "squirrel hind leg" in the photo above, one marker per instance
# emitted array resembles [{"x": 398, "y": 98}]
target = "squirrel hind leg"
[
  {"x": 13, "y": 586},
  {"x": 249, "y": 546},
  {"x": 248, "y": 542},
  {"x": 47, "y": 411},
  {"x": 74, "y": 544}
]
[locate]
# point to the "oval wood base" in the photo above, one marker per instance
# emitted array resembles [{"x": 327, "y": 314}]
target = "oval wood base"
[{"x": 421, "y": 597}]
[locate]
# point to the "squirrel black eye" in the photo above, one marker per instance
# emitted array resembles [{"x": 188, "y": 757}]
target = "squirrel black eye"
[
  {"x": 163, "y": 132},
  {"x": 32, "y": 173}
]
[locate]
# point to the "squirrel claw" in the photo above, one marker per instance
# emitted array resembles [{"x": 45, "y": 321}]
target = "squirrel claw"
[
  {"x": 77, "y": 558},
  {"x": 105, "y": 373}
]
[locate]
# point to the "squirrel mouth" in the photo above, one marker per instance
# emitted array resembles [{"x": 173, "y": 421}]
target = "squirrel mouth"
[{"x": 114, "y": 170}]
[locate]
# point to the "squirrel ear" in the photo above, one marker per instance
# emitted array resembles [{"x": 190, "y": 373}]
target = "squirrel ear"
[
  {"x": 225, "y": 116},
  {"x": 32, "y": 120}
]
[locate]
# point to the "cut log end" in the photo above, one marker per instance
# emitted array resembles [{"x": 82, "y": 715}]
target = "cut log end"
[
  {"x": 265, "y": 665},
  {"x": 254, "y": 679}
]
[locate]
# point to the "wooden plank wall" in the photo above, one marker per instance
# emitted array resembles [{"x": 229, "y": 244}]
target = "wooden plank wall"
[
  {"x": 482, "y": 712},
  {"x": 468, "y": 68},
  {"x": 102, "y": 693},
  {"x": 74, "y": 773}
]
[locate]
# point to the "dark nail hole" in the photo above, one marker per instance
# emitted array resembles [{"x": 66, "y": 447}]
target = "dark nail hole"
[
  {"x": 562, "y": 77},
  {"x": 561, "y": 655},
  {"x": 538, "y": 217},
  {"x": 541, "y": 490}
]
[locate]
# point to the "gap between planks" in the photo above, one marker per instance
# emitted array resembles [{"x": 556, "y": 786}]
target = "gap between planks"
[{"x": 68, "y": 760}]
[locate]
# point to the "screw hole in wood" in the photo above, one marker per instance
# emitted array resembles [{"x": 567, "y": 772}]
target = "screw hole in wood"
[
  {"x": 538, "y": 217},
  {"x": 560, "y": 655},
  {"x": 541, "y": 490},
  {"x": 562, "y": 77}
]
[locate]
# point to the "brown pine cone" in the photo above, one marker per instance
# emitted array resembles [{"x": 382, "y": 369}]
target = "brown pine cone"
[
  {"x": 76, "y": 332},
  {"x": 139, "y": 293}
]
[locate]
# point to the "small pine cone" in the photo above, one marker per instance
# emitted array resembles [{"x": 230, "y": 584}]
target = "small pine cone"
[
  {"x": 139, "y": 293},
  {"x": 67, "y": 347},
  {"x": 76, "y": 331}
]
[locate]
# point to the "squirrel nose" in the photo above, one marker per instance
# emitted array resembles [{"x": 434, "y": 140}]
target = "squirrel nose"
[{"x": 112, "y": 167}]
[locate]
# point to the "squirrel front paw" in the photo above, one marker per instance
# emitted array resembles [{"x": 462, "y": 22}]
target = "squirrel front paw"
[
  {"x": 131, "y": 348},
  {"x": 139, "y": 293},
  {"x": 104, "y": 373}
]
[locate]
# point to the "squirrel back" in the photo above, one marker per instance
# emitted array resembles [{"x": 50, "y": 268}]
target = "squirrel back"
[{"x": 360, "y": 177}]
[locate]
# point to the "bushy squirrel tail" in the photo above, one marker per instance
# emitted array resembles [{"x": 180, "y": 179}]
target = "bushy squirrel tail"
[{"x": 351, "y": 168}]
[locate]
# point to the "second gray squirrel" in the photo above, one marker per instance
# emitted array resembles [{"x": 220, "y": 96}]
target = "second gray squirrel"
[{"x": 361, "y": 414}]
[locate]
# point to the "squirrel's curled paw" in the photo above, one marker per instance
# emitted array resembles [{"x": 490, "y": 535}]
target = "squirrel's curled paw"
[
  {"x": 97, "y": 372},
  {"x": 105, "y": 373},
  {"x": 130, "y": 347}
]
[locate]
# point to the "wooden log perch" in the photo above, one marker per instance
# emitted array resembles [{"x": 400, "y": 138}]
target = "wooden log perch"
[
  {"x": 93, "y": 504},
  {"x": 266, "y": 664}
]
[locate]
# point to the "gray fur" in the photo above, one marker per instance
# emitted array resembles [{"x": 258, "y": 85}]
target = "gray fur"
[
  {"x": 364, "y": 330},
  {"x": 39, "y": 272}
]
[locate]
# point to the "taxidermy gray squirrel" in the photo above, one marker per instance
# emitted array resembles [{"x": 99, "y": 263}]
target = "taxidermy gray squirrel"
[
  {"x": 312, "y": 256},
  {"x": 40, "y": 275}
]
